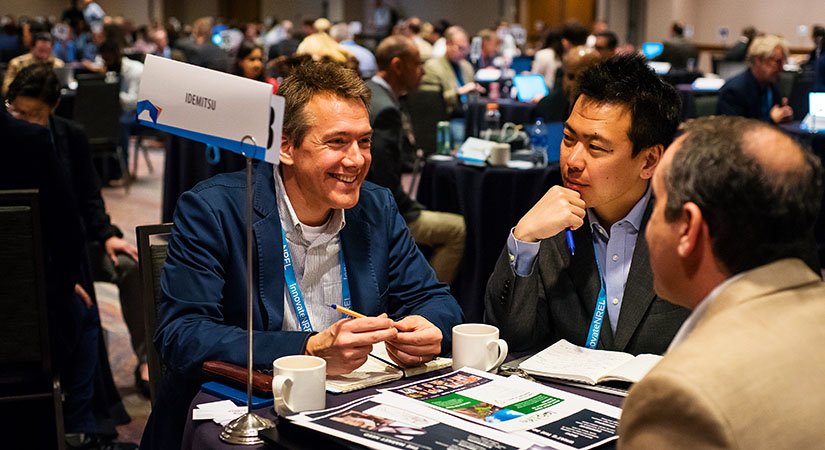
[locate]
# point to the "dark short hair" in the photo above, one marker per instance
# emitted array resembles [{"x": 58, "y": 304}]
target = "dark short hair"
[
  {"x": 244, "y": 50},
  {"x": 818, "y": 31},
  {"x": 395, "y": 46},
  {"x": 36, "y": 81},
  {"x": 43, "y": 36},
  {"x": 313, "y": 78},
  {"x": 575, "y": 33},
  {"x": 655, "y": 106},
  {"x": 755, "y": 214},
  {"x": 678, "y": 29},
  {"x": 612, "y": 39}
]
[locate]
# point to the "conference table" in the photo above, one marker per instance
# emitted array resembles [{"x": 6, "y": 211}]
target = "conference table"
[
  {"x": 205, "y": 434},
  {"x": 492, "y": 199}
]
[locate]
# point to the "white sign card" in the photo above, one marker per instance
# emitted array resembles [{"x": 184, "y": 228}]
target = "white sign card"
[{"x": 212, "y": 107}]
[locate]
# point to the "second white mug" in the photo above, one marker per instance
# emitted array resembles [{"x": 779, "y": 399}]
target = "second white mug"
[{"x": 477, "y": 345}]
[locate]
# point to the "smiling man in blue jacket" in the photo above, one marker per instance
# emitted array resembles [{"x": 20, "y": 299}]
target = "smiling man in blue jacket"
[{"x": 345, "y": 243}]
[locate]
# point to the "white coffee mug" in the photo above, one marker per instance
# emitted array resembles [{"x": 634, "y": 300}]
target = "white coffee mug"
[
  {"x": 299, "y": 384},
  {"x": 477, "y": 345}
]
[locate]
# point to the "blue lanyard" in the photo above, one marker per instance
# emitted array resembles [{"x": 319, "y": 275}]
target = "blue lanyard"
[
  {"x": 601, "y": 306},
  {"x": 295, "y": 290}
]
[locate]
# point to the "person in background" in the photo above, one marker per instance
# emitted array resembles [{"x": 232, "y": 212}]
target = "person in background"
[
  {"x": 573, "y": 34},
  {"x": 489, "y": 48},
  {"x": 547, "y": 61},
  {"x": 321, "y": 47},
  {"x": 161, "y": 40},
  {"x": 399, "y": 73},
  {"x": 249, "y": 64},
  {"x": 818, "y": 37},
  {"x": 555, "y": 106},
  {"x": 40, "y": 53},
  {"x": 366, "y": 60},
  {"x": 754, "y": 93},
  {"x": 678, "y": 50},
  {"x": 606, "y": 43},
  {"x": 599, "y": 26},
  {"x": 198, "y": 49},
  {"x": 72, "y": 16},
  {"x": 78, "y": 349},
  {"x": 416, "y": 31},
  {"x": 739, "y": 51},
  {"x": 286, "y": 46},
  {"x": 452, "y": 74},
  {"x": 93, "y": 15},
  {"x": 541, "y": 291},
  {"x": 735, "y": 199}
]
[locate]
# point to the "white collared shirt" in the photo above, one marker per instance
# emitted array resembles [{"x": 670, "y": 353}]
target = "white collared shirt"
[
  {"x": 699, "y": 312},
  {"x": 314, "y": 252}
]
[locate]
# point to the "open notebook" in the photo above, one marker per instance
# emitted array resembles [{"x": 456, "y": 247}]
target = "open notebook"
[
  {"x": 567, "y": 361},
  {"x": 380, "y": 369}
]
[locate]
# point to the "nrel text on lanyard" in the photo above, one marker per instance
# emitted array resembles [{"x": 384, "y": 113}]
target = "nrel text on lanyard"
[
  {"x": 601, "y": 306},
  {"x": 295, "y": 291}
]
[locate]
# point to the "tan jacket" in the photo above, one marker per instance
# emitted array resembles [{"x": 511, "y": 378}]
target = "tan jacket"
[
  {"x": 438, "y": 74},
  {"x": 751, "y": 375},
  {"x": 21, "y": 62}
]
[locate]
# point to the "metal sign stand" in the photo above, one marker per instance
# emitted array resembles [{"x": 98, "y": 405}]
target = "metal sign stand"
[{"x": 244, "y": 429}]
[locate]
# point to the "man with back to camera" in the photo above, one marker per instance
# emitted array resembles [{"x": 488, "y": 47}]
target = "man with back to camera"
[
  {"x": 622, "y": 119},
  {"x": 753, "y": 93},
  {"x": 399, "y": 73},
  {"x": 735, "y": 200},
  {"x": 332, "y": 225}
]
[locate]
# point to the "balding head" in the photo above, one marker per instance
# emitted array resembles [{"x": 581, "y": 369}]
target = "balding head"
[
  {"x": 759, "y": 191},
  {"x": 575, "y": 61},
  {"x": 458, "y": 45}
]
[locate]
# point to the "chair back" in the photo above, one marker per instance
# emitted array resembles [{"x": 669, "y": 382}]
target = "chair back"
[
  {"x": 30, "y": 397},
  {"x": 97, "y": 110},
  {"x": 152, "y": 243},
  {"x": 426, "y": 108}
]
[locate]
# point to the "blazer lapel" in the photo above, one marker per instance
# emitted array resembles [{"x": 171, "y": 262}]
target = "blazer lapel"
[
  {"x": 585, "y": 276},
  {"x": 266, "y": 241},
  {"x": 360, "y": 269},
  {"x": 639, "y": 293}
]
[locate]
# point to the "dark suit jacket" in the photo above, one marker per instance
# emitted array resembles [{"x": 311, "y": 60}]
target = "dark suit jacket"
[
  {"x": 72, "y": 147},
  {"x": 677, "y": 51},
  {"x": 388, "y": 142},
  {"x": 558, "y": 299},
  {"x": 202, "y": 315},
  {"x": 742, "y": 96}
]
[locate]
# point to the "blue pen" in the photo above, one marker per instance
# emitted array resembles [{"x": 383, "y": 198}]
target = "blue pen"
[{"x": 570, "y": 243}]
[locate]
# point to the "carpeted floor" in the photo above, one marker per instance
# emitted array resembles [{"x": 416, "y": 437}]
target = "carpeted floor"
[{"x": 140, "y": 206}]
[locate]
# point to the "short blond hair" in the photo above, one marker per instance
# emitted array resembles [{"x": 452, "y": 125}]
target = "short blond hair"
[{"x": 763, "y": 46}]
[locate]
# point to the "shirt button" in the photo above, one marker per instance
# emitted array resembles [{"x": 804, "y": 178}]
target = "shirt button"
[
  {"x": 615, "y": 257},
  {"x": 615, "y": 301}
]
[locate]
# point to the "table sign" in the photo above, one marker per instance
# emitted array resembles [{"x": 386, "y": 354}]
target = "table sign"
[{"x": 212, "y": 107}]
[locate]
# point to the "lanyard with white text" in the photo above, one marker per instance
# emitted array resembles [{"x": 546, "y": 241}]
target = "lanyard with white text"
[
  {"x": 601, "y": 305},
  {"x": 295, "y": 291}
]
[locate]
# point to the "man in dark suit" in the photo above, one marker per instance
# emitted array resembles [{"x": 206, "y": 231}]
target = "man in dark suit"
[
  {"x": 322, "y": 236},
  {"x": 399, "y": 72},
  {"x": 753, "y": 93},
  {"x": 600, "y": 295}
]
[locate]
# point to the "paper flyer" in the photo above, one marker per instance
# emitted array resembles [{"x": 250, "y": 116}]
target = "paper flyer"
[{"x": 216, "y": 108}]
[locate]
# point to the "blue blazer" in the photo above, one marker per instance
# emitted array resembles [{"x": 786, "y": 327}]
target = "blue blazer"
[
  {"x": 202, "y": 314},
  {"x": 742, "y": 96}
]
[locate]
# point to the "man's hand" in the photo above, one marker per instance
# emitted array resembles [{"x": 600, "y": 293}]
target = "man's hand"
[
  {"x": 469, "y": 87},
  {"x": 346, "y": 343},
  {"x": 418, "y": 341},
  {"x": 115, "y": 245},
  {"x": 782, "y": 113},
  {"x": 558, "y": 209},
  {"x": 78, "y": 289}
]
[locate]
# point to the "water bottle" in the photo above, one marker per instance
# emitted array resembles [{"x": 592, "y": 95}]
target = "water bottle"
[
  {"x": 444, "y": 139},
  {"x": 492, "y": 123},
  {"x": 538, "y": 143}
]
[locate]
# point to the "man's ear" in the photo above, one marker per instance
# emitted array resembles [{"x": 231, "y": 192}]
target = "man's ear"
[
  {"x": 652, "y": 156},
  {"x": 396, "y": 65},
  {"x": 692, "y": 229},
  {"x": 287, "y": 152}
]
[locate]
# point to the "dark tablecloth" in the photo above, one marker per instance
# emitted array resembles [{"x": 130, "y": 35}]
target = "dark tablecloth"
[
  {"x": 511, "y": 111},
  {"x": 205, "y": 434},
  {"x": 492, "y": 200},
  {"x": 186, "y": 164}
]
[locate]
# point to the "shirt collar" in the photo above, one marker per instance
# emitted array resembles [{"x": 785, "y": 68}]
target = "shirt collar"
[
  {"x": 383, "y": 83},
  {"x": 699, "y": 312},
  {"x": 293, "y": 228},
  {"x": 634, "y": 217}
]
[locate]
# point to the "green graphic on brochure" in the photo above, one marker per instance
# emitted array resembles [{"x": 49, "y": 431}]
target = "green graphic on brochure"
[{"x": 492, "y": 413}]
